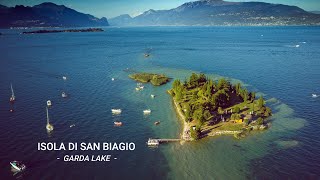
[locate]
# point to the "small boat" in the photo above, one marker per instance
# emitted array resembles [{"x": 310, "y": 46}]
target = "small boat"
[
  {"x": 17, "y": 165},
  {"x": 314, "y": 95},
  {"x": 49, "y": 103},
  {"x": 153, "y": 142},
  {"x": 157, "y": 123},
  {"x": 147, "y": 111},
  {"x": 116, "y": 111},
  {"x": 49, "y": 127},
  {"x": 72, "y": 125},
  {"x": 64, "y": 95},
  {"x": 153, "y": 96},
  {"x": 64, "y": 77},
  {"x": 297, "y": 46},
  {"x": 11, "y": 110},
  {"x": 146, "y": 55},
  {"x": 112, "y": 79},
  {"x": 12, "y": 98},
  {"x": 117, "y": 123},
  {"x": 139, "y": 88}
]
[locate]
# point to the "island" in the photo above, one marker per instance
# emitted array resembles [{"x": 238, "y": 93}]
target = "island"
[
  {"x": 211, "y": 108},
  {"x": 155, "y": 79},
  {"x": 64, "y": 30}
]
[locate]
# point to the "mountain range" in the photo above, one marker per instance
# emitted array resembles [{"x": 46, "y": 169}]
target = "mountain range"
[
  {"x": 46, "y": 15},
  {"x": 219, "y": 12}
]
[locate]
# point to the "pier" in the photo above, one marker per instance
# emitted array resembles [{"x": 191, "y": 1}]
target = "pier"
[{"x": 165, "y": 140}]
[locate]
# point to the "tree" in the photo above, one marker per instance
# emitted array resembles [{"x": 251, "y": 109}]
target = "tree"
[
  {"x": 202, "y": 78},
  {"x": 176, "y": 84},
  {"x": 188, "y": 113},
  {"x": 246, "y": 122},
  {"x": 260, "y": 121},
  {"x": 193, "y": 80},
  {"x": 220, "y": 110},
  {"x": 195, "y": 132},
  {"x": 267, "y": 112},
  {"x": 244, "y": 95},
  {"x": 260, "y": 102},
  {"x": 223, "y": 84},
  {"x": 252, "y": 96},
  {"x": 236, "y": 110}
]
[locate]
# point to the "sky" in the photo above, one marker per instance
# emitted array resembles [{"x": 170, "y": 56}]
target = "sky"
[{"x": 112, "y": 8}]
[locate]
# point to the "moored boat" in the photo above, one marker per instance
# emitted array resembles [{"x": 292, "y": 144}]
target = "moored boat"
[
  {"x": 157, "y": 123},
  {"x": 153, "y": 96},
  {"x": 116, "y": 111},
  {"x": 153, "y": 142},
  {"x": 117, "y": 123},
  {"x": 49, "y": 127},
  {"x": 17, "y": 165},
  {"x": 49, "y": 103},
  {"x": 147, "y": 111},
  {"x": 64, "y": 95}
]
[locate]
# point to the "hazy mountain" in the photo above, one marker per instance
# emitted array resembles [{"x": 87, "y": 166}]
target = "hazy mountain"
[
  {"x": 219, "y": 12},
  {"x": 46, "y": 15},
  {"x": 120, "y": 20}
]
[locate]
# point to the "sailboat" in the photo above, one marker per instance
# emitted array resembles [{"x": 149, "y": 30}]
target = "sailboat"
[
  {"x": 12, "y": 98},
  {"x": 49, "y": 126}
]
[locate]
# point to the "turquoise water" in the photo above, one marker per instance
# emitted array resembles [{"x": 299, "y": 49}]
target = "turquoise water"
[{"x": 265, "y": 59}]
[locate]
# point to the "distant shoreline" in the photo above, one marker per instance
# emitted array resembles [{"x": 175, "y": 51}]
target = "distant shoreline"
[{"x": 64, "y": 30}]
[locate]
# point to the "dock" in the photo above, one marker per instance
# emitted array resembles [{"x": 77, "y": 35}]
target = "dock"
[{"x": 166, "y": 140}]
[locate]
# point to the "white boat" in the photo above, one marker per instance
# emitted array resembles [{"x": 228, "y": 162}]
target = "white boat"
[
  {"x": 49, "y": 127},
  {"x": 153, "y": 142},
  {"x": 72, "y": 125},
  {"x": 117, "y": 123},
  {"x": 297, "y": 45},
  {"x": 314, "y": 95},
  {"x": 64, "y": 77},
  {"x": 49, "y": 103},
  {"x": 64, "y": 95},
  {"x": 116, "y": 111},
  {"x": 147, "y": 111},
  {"x": 12, "y": 98},
  {"x": 17, "y": 165},
  {"x": 112, "y": 79},
  {"x": 153, "y": 96}
]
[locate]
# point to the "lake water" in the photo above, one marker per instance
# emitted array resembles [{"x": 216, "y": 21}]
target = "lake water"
[{"x": 282, "y": 63}]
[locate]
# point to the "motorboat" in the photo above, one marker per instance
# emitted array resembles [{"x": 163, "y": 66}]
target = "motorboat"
[
  {"x": 116, "y": 111},
  {"x": 72, "y": 125},
  {"x": 153, "y": 142},
  {"x": 314, "y": 95},
  {"x": 64, "y": 77},
  {"x": 147, "y": 111},
  {"x": 12, "y": 98},
  {"x": 117, "y": 123},
  {"x": 17, "y": 165},
  {"x": 112, "y": 79},
  {"x": 49, "y": 127},
  {"x": 64, "y": 95},
  {"x": 153, "y": 96},
  {"x": 157, "y": 123},
  {"x": 49, "y": 103}
]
